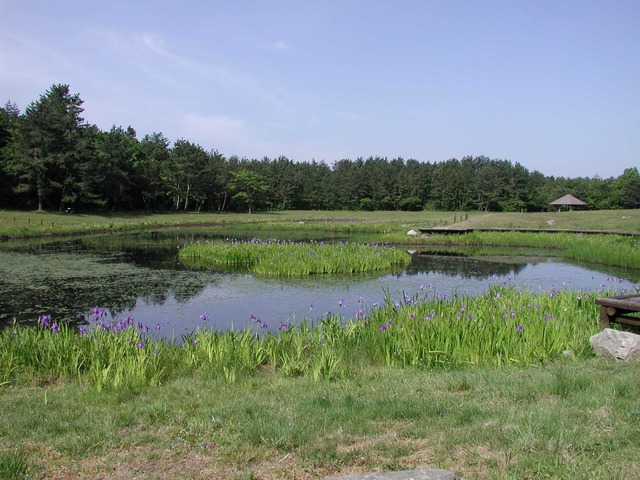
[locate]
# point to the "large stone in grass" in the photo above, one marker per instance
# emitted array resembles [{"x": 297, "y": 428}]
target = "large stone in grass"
[
  {"x": 403, "y": 475},
  {"x": 616, "y": 344},
  {"x": 413, "y": 233}
]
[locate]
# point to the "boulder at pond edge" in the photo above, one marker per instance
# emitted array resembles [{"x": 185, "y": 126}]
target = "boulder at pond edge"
[{"x": 616, "y": 344}]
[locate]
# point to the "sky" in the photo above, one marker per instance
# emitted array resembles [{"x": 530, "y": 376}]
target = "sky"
[{"x": 551, "y": 84}]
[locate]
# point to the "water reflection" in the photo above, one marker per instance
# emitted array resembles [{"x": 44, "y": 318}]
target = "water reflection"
[
  {"x": 139, "y": 275},
  {"x": 68, "y": 284},
  {"x": 465, "y": 267}
]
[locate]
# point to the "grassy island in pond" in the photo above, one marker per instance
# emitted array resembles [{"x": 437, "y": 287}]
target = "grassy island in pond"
[{"x": 291, "y": 259}]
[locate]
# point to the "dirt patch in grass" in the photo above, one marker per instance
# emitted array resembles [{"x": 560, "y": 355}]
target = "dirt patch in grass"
[
  {"x": 204, "y": 463},
  {"x": 478, "y": 461}
]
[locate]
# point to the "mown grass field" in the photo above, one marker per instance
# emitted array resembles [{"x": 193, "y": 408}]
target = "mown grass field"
[
  {"x": 570, "y": 420},
  {"x": 615, "y": 220},
  {"x": 24, "y": 223}
]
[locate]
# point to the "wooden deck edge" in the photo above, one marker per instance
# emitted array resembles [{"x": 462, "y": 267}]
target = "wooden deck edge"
[{"x": 459, "y": 231}]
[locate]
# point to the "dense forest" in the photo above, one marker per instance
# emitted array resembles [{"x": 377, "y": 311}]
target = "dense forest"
[{"x": 50, "y": 158}]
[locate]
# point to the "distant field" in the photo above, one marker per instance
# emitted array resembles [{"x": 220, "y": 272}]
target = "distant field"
[
  {"x": 619, "y": 220},
  {"x": 32, "y": 224}
]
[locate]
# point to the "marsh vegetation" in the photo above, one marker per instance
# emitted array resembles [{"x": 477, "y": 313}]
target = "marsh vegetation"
[{"x": 293, "y": 259}]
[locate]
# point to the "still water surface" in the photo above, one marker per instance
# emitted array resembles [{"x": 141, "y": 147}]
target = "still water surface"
[{"x": 139, "y": 275}]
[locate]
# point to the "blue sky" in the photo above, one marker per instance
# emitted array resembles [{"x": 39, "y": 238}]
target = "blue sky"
[{"x": 553, "y": 85}]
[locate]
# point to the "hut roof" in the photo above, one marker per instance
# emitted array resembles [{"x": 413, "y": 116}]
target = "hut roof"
[{"x": 568, "y": 200}]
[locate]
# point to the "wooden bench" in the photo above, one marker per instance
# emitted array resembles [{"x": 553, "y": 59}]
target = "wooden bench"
[{"x": 619, "y": 309}]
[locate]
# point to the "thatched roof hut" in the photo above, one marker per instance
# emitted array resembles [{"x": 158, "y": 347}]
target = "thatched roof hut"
[{"x": 568, "y": 201}]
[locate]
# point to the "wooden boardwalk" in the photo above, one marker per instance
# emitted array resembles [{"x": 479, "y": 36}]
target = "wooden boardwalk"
[
  {"x": 460, "y": 231},
  {"x": 620, "y": 309}
]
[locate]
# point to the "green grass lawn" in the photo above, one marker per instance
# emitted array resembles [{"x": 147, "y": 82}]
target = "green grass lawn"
[
  {"x": 24, "y": 223},
  {"x": 30, "y": 223},
  {"x": 570, "y": 419},
  {"x": 617, "y": 220}
]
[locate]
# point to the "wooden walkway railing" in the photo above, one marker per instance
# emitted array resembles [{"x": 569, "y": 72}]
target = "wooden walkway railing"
[
  {"x": 459, "y": 231},
  {"x": 619, "y": 309}
]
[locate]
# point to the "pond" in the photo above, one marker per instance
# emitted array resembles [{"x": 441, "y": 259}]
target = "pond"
[{"x": 139, "y": 275}]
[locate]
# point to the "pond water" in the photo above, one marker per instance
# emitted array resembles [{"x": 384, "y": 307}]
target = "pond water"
[{"x": 139, "y": 275}]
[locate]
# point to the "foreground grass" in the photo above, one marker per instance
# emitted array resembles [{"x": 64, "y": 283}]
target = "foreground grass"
[{"x": 571, "y": 419}]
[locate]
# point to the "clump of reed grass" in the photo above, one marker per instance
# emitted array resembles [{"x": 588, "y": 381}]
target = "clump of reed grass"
[
  {"x": 289, "y": 259},
  {"x": 618, "y": 250},
  {"x": 15, "y": 465},
  {"x": 113, "y": 354}
]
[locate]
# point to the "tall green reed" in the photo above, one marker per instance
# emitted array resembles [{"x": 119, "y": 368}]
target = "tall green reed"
[
  {"x": 426, "y": 330},
  {"x": 283, "y": 258},
  {"x": 14, "y": 464},
  {"x": 112, "y": 355},
  {"x": 615, "y": 250}
]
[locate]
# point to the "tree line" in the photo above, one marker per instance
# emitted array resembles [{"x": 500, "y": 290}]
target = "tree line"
[{"x": 51, "y": 158}]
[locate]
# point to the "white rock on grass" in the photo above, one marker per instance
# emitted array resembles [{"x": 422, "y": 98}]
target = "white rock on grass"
[
  {"x": 413, "y": 233},
  {"x": 616, "y": 344}
]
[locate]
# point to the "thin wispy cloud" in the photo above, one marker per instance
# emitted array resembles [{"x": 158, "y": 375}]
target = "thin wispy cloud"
[
  {"x": 281, "y": 45},
  {"x": 347, "y": 116},
  {"x": 140, "y": 51},
  {"x": 23, "y": 44},
  {"x": 26, "y": 64},
  {"x": 216, "y": 130},
  {"x": 226, "y": 134},
  {"x": 150, "y": 53}
]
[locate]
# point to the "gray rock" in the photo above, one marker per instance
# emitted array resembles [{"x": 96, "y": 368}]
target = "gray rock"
[
  {"x": 616, "y": 344},
  {"x": 413, "y": 233},
  {"x": 403, "y": 475}
]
